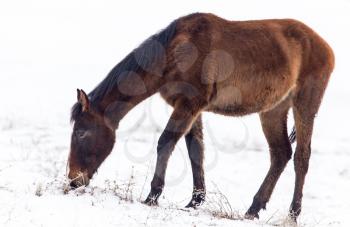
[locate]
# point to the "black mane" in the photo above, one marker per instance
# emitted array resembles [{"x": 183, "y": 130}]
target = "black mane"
[{"x": 141, "y": 58}]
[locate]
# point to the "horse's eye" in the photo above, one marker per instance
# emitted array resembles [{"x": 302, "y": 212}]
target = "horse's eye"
[{"x": 80, "y": 134}]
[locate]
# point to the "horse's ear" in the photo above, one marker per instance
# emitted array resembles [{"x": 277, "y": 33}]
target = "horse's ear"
[{"x": 83, "y": 100}]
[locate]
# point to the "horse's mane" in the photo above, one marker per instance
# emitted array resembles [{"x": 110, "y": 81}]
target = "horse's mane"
[{"x": 143, "y": 57}]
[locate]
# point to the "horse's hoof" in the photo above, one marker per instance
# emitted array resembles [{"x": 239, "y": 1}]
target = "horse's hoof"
[
  {"x": 294, "y": 211},
  {"x": 253, "y": 211},
  {"x": 152, "y": 199},
  {"x": 198, "y": 198},
  {"x": 150, "y": 202},
  {"x": 293, "y": 217},
  {"x": 251, "y": 216},
  {"x": 194, "y": 204}
]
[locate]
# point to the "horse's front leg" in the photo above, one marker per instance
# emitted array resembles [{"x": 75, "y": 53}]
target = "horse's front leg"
[{"x": 184, "y": 114}]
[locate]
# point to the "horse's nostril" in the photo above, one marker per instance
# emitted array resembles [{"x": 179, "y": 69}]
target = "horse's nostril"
[{"x": 74, "y": 184}]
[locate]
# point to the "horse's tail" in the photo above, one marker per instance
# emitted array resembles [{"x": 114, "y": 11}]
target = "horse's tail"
[{"x": 292, "y": 135}]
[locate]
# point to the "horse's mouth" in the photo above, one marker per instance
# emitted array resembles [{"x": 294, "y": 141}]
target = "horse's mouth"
[{"x": 80, "y": 179}]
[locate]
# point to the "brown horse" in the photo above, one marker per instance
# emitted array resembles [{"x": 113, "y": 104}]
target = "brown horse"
[{"x": 201, "y": 62}]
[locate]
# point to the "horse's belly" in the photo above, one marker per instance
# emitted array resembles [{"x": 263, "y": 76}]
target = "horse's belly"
[
  {"x": 233, "y": 108},
  {"x": 233, "y": 101}
]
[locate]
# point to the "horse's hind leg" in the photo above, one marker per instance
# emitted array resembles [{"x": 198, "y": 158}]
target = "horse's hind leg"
[
  {"x": 305, "y": 106},
  {"x": 195, "y": 147},
  {"x": 301, "y": 159},
  {"x": 274, "y": 124}
]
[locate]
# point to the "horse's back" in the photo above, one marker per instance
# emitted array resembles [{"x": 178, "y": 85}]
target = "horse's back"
[
  {"x": 266, "y": 44},
  {"x": 243, "y": 67}
]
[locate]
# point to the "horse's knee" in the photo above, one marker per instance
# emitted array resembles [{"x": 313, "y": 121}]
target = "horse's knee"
[
  {"x": 285, "y": 159},
  {"x": 282, "y": 157}
]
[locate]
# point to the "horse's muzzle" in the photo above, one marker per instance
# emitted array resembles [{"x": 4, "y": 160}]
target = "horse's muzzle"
[{"x": 79, "y": 179}]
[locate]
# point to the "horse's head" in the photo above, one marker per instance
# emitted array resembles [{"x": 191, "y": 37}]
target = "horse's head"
[{"x": 92, "y": 141}]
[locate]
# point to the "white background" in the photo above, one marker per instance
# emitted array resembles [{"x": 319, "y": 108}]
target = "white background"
[{"x": 50, "y": 48}]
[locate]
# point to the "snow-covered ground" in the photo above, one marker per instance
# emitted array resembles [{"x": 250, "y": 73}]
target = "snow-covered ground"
[{"x": 50, "y": 48}]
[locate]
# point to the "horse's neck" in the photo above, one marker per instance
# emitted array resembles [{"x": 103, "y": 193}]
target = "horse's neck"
[{"x": 129, "y": 93}]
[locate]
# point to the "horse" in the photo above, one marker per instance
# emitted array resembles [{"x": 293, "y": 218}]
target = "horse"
[{"x": 204, "y": 63}]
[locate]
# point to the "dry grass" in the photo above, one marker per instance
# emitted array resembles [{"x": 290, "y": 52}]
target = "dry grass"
[
  {"x": 39, "y": 190},
  {"x": 124, "y": 190},
  {"x": 218, "y": 205}
]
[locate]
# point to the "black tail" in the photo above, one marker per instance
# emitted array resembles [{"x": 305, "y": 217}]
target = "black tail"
[{"x": 292, "y": 135}]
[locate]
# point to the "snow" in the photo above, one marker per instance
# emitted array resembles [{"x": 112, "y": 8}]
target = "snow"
[{"x": 48, "y": 49}]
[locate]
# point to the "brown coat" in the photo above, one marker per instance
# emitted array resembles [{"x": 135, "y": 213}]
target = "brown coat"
[{"x": 202, "y": 62}]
